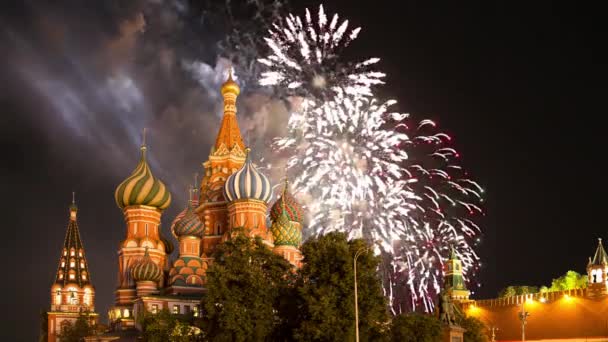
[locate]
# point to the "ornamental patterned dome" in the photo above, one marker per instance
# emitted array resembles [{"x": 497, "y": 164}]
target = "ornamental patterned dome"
[
  {"x": 286, "y": 232},
  {"x": 146, "y": 269},
  {"x": 189, "y": 225},
  {"x": 247, "y": 183},
  {"x": 187, "y": 271},
  {"x": 142, "y": 188},
  {"x": 292, "y": 207}
]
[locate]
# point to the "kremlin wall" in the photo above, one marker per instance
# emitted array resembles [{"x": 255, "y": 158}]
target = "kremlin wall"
[{"x": 571, "y": 315}]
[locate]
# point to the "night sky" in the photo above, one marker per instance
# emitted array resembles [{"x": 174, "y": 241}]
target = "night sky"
[{"x": 521, "y": 89}]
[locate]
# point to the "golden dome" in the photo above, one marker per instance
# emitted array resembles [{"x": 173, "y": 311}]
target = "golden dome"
[
  {"x": 230, "y": 86},
  {"x": 142, "y": 188}
]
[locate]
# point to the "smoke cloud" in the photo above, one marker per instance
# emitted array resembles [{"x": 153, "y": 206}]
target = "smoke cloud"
[{"x": 101, "y": 72}]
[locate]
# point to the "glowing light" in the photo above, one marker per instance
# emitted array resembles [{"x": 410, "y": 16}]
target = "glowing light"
[{"x": 543, "y": 299}]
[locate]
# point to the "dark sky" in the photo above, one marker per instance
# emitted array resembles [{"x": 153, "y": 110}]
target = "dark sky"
[{"x": 520, "y": 87}]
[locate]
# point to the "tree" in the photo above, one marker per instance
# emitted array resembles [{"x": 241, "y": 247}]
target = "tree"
[
  {"x": 569, "y": 281},
  {"x": 44, "y": 326},
  {"x": 415, "y": 327},
  {"x": 325, "y": 291},
  {"x": 475, "y": 331},
  {"x": 78, "y": 331},
  {"x": 245, "y": 284},
  {"x": 511, "y": 291},
  {"x": 164, "y": 326}
]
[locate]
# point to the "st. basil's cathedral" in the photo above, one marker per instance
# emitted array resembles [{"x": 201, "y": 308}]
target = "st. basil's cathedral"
[{"x": 232, "y": 194}]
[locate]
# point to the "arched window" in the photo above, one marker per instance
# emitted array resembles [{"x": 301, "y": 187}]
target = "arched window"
[
  {"x": 80, "y": 253},
  {"x": 72, "y": 252},
  {"x": 62, "y": 262},
  {"x": 65, "y": 252},
  {"x": 72, "y": 275},
  {"x": 83, "y": 275},
  {"x": 72, "y": 296},
  {"x": 58, "y": 297},
  {"x": 60, "y": 275},
  {"x": 81, "y": 264},
  {"x": 87, "y": 296},
  {"x": 218, "y": 228},
  {"x": 72, "y": 263}
]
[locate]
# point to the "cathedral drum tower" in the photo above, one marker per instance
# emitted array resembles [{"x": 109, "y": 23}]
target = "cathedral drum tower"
[{"x": 142, "y": 198}]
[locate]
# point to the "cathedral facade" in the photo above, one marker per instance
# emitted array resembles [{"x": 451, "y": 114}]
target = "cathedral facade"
[{"x": 233, "y": 193}]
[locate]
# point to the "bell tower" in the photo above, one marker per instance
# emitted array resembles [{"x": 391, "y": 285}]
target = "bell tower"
[{"x": 72, "y": 292}]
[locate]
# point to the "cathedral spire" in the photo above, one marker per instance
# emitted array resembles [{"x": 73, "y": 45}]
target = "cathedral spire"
[
  {"x": 72, "y": 264},
  {"x": 229, "y": 134}
]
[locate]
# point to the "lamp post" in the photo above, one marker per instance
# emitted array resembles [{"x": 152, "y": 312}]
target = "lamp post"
[
  {"x": 357, "y": 254},
  {"x": 523, "y": 316}
]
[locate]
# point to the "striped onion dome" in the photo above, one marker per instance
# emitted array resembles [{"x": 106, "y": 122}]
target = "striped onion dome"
[
  {"x": 142, "y": 188},
  {"x": 146, "y": 269},
  {"x": 192, "y": 205},
  {"x": 247, "y": 183},
  {"x": 292, "y": 207},
  {"x": 189, "y": 225}
]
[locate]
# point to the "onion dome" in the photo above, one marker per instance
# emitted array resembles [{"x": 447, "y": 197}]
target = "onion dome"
[
  {"x": 142, "y": 188},
  {"x": 292, "y": 207},
  {"x": 247, "y": 183},
  {"x": 230, "y": 86},
  {"x": 189, "y": 225},
  {"x": 146, "y": 269},
  {"x": 284, "y": 231}
]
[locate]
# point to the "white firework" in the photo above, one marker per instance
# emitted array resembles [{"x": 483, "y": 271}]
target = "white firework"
[
  {"x": 305, "y": 59},
  {"x": 366, "y": 170}
]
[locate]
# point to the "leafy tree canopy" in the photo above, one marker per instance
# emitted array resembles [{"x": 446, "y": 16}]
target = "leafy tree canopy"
[
  {"x": 244, "y": 288},
  {"x": 77, "y": 331},
  {"x": 325, "y": 291},
  {"x": 416, "y": 327},
  {"x": 164, "y": 326},
  {"x": 569, "y": 281},
  {"x": 475, "y": 331}
]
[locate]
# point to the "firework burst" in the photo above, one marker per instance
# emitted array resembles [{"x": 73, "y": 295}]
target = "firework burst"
[
  {"x": 367, "y": 170},
  {"x": 305, "y": 58}
]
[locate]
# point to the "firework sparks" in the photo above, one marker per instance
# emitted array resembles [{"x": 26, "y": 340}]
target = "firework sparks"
[
  {"x": 305, "y": 58},
  {"x": 367, "y": 170}
]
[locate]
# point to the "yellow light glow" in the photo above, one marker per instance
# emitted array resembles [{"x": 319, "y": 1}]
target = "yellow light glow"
[
  {"x": 473, "y": 310},
  {"x": 543, "y": 299}
]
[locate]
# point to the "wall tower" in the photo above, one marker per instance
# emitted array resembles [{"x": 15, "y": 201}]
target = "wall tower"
[
  {"x": 453, "y": 278},
  {"x": 597, "y": 271}
]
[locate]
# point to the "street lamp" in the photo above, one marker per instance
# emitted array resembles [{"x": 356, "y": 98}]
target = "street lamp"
[
  {"x": 357, "y": 254},
  {"x": 523, "y": 316}
]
